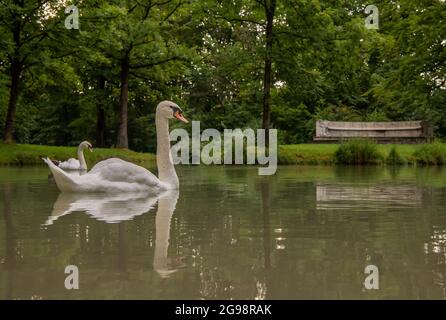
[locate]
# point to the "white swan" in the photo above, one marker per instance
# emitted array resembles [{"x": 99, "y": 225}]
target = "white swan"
[
  {"x": 75, "y": 164},
  {"x": 116, "y": 175}
]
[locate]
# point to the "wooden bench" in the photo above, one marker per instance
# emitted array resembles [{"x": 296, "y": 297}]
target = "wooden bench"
[{"x": 381, "y": 132}]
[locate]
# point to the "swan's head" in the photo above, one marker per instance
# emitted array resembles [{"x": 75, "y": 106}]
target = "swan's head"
[
  {"x": 170, "y": 110},
  {"x": 86, "y": 145}
]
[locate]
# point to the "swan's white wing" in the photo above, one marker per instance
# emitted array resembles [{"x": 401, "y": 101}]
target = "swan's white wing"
[
  {"x": 64, "y": 181},
  {"x": 118, "y": 170},
  {"x": 112, "y": 175}
]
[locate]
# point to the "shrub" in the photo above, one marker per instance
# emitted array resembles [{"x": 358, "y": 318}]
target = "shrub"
[
  {"x": 431, "y": 153},
  {"x": 358, "y": 152},
  {"x": 394, "y": 157}
]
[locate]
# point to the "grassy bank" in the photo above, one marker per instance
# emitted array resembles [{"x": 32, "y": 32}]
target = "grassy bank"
[
  {"x": 316, "y": 154},
  {"x": 311, "y": 154},
  {"x": 27, "y": 154}
]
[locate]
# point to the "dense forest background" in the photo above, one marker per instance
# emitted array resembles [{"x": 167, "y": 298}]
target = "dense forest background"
[{"x": 230, "y": 64}]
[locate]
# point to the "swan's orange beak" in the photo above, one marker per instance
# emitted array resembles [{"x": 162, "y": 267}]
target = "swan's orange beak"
[{"x": 180, "y": 117}]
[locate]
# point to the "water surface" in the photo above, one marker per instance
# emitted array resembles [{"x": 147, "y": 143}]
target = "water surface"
[{"x": 304, "y": 233}]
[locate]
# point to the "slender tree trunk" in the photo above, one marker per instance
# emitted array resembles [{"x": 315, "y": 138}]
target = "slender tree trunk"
[
  {"x": 265, "y": 193},
  {"x": 10, "y": 256},
  {"x": 100, "y": 116},
  {"x": 267, "y": 77},
  {"x": 123, "y": 101},
  {"x": 65, "y": 136},
  {"x": 16, "y": 73}
]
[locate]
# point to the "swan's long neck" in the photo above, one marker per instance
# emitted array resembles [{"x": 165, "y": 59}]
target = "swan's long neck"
[
  {"x": 80, "y": 156},
  {"x": 166, "y": 169}
]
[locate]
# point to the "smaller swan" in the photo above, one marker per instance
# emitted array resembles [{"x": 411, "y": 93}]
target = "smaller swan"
[{"x": 74, "y": 164}]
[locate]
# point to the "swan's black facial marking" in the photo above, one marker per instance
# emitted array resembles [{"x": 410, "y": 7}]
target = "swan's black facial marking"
[
  {"x": 176, "y": 109},
  {"x": 178, "y": 113}
]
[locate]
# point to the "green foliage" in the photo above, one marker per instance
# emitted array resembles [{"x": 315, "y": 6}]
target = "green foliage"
[
  {"x": 296, "y": 122},
  {"x": 409, "y": 81},
  {"x": 376, "y": 116},
  {"x": 209, "y": 56},
  {"x": 394, "y": 158},
  {"x": 431, "y": 154},
  {"x": 358, "y": 152}
]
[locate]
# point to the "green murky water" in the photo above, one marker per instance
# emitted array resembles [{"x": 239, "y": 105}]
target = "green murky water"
[{"x": 304, "y": 233}]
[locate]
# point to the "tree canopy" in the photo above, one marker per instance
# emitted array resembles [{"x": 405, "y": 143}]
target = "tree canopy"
[{"x": 231, "y": 64}]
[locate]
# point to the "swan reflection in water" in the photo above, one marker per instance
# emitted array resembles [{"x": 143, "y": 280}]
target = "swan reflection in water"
[{"x": 115, "y": 208}]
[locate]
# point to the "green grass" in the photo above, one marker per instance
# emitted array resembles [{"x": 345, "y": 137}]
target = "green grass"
[
  {"x": 27, "y": 154},
  {"x": 431, "y": 154},
  {"x": 394, "y": 157},
  {"x": 313, "y": 154},
  {"x": 301, "y": 154},
  {"x": 317, "y": 154}
]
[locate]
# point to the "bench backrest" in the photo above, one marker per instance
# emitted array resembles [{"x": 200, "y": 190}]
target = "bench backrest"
[{"x": 398, "y": 129}]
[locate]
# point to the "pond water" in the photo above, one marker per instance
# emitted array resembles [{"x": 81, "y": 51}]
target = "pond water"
[{"x": 304, "y": 233}]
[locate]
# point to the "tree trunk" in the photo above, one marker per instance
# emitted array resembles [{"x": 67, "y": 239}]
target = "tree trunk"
[
  {"x": 266, "y": 200},
  {"x": 16, "y": 73},
  {"x": 123, "y": 102},
  {"x": 100, "y": 116},
  {"x": 11, "y": 243},
  {"x": 267, "y": 76}
]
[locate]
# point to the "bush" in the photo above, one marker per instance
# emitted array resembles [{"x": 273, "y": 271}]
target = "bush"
[
  {"x": 358, "y": 152},
  {"x": 394, "y": 157},
  {"x": 431, "y": 153}
]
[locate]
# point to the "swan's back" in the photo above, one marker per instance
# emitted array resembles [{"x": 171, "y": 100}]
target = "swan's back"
[
  {"x": 118, "y": 170},
  {"x": 112, "y": 175}
]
